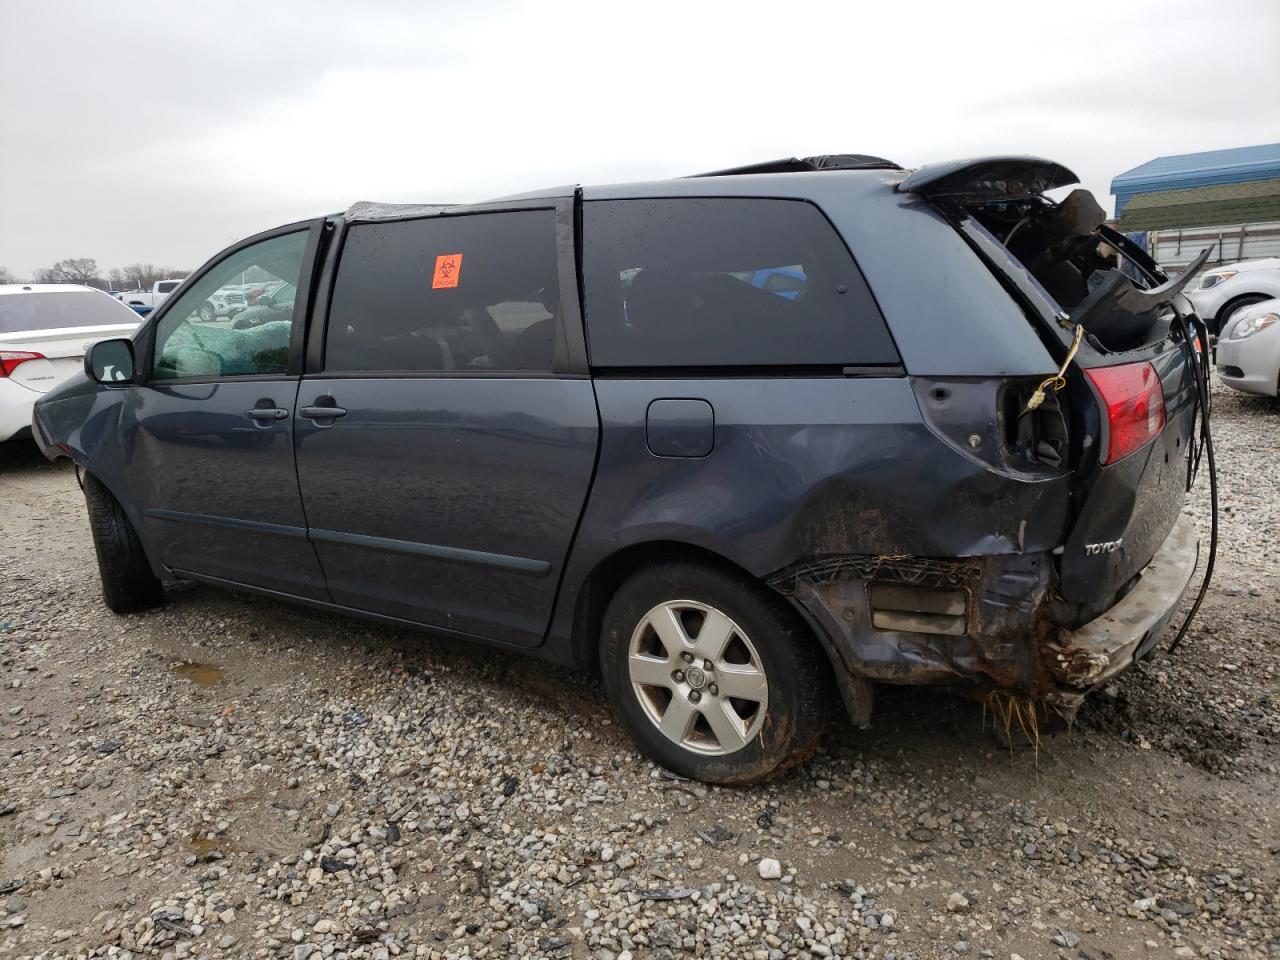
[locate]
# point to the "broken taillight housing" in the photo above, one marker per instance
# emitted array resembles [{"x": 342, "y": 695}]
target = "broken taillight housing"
[
  {"x": 10, "y": 360},
  {"x": 1134, "y": 403}
]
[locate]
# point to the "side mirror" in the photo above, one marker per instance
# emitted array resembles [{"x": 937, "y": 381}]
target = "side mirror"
[{"x": 110, "y": 361}]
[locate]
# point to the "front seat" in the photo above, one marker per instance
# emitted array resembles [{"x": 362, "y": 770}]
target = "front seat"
[
  {"x": 660, "y": 305},
  {"x": 535, "y": 348}
]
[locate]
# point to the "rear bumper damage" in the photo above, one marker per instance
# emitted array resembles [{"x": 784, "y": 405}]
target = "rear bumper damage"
[
  {"x": 1082, "y": 659},
  {"x": 993, "y": 623}
]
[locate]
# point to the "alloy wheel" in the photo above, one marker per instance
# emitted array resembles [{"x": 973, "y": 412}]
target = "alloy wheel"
[{"x": 698, "y": 677}]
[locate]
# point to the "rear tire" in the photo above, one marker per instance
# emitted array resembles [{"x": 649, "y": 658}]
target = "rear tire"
[
  {"x": 128, "y": 585},
  {"x": 733, "y": 690}
]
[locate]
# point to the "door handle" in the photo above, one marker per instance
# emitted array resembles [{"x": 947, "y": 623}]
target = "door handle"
[
  {"x": 322, "y": 412},
  {"x": 267, "y": 413}
]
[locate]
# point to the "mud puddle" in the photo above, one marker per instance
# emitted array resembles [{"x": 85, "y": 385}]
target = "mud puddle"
[{"x": 201, "y": 674}]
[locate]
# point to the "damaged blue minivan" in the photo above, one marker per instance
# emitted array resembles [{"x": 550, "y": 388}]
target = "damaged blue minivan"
[{"x": 745, "y": 442}]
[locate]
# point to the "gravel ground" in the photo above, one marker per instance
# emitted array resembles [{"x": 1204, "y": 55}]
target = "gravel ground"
[{"x": 229, "y": 776}]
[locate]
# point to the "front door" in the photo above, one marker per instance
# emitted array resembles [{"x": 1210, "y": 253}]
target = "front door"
[
  {"x": 444, "y": 454},
  {"x": 210, "y": 434}
]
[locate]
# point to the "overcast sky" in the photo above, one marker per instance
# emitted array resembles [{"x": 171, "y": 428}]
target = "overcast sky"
[{"x": 161, "y": 132}]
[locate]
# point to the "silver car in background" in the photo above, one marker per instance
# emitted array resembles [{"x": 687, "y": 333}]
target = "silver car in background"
[
  {"x": 1223, "y": 292},
  {"x": 1248, "y": 355}
]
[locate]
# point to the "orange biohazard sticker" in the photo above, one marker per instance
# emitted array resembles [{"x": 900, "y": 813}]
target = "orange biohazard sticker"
[{"x": 448, "y": 266}]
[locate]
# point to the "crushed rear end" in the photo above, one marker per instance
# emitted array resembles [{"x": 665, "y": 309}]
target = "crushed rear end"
[{"x": 1113, "y": 444}]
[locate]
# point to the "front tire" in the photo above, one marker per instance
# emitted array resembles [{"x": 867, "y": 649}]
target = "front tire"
[
  {"x": 128, "y": 585},
  {"x": 207, "y": 313},
  {"x": 715, "y": 678}
]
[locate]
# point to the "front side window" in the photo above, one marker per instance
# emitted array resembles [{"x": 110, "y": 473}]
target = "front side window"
[
  {"x": 724, "y": 282},
  {"x": 197, "y": 339},
  {"x": 477, "y": 292}
]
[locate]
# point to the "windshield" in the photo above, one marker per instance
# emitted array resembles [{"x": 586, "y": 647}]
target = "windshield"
[{"x": 69, "y": 308}]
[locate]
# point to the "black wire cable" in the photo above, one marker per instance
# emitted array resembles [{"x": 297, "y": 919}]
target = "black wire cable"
[{"x": 1200, "y": 366}]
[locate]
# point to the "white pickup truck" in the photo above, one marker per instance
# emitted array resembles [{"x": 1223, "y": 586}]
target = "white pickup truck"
[{"x": 159, "y": 291}]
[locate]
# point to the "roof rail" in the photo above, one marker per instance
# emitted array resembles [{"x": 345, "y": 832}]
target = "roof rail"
[{"x": 829, "y": 161}]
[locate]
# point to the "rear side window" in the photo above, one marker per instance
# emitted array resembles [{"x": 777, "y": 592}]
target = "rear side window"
[
  {"x": 467, "y": 293},
  {"x": 724, "y": 282}
]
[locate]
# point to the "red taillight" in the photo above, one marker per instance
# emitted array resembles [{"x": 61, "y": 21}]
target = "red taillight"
[
  {"x": 10, "y": 360},
  {"x": 1134, "y": 403}
]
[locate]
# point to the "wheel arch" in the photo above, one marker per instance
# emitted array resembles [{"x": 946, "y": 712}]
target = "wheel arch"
[
  {"x": 1231, "y": 305},
  {"x": 86, "y": 470},
  {"x": 131, "y": 510},
  {"x": 609, "y": 573},
  {"x": 599, "y": 586}
]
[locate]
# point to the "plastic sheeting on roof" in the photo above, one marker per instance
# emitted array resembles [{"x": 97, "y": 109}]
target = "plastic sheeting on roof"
[{"x": 364, "y": 211}]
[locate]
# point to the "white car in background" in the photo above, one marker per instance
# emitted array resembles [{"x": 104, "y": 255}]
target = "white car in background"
[
  {"x": 45, "y": 329},
  {"x": 152, "y": 298},
  {"x": 1248, "y": 356},
  {"x": 1225, "y": 290},
  {"x": 224, "y": 302}
]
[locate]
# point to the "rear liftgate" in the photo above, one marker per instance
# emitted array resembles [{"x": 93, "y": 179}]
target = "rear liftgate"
[{"x": 1117, "y": 434}]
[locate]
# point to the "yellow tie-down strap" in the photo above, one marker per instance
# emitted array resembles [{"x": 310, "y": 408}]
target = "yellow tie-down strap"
[{"x": 1059, "y": 379}]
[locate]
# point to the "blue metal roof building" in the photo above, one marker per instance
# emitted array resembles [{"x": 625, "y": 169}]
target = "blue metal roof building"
[{"x": 1187, "y": 170}]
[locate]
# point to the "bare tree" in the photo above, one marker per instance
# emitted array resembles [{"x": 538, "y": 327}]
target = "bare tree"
[
  {"x": 137, "y": 275},
  {"x": 6, "y": 276},
  {"x": 116, "y": 279},
  {"x": 81, "y": 270},
  {"x": 140, "y": 276},
  {"x": 77, "y": 270}
]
